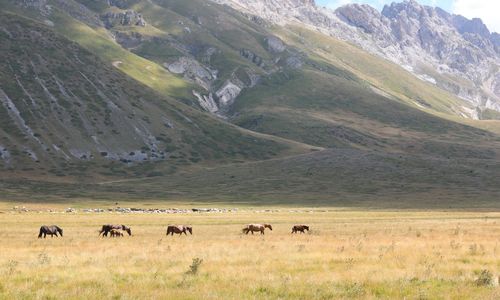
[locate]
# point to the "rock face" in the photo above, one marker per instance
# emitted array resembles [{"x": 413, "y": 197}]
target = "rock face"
[
  {"x": 194, "y": 71},
  {"x": 128, "y": 18},
  {"x": 207, "y": 102},
  {"x": 420, "y": 38},
  {"x": 228, "y": 92},
  {"x": 275, "y": 45},
  {"x": 254, "y": 58},
  {"x": 118, "y": 3}
]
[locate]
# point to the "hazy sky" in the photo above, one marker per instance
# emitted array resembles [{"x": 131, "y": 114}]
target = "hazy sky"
[{"x": 488, "y": 10}]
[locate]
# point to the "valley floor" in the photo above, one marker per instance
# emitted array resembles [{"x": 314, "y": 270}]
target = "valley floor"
[{"x": 348, "y": 254}]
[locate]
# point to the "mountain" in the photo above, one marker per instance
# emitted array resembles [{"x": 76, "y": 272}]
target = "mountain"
[
  {"x": 449, "y": 51},
  {"x": 66, "y": 112},
  {"x": 253, "y": 101}
]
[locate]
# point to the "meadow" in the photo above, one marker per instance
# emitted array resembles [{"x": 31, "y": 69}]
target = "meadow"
[{"x": 348, "y": 254}]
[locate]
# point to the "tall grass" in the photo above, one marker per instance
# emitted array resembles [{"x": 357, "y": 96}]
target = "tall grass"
[{"x": 362, "y": 255}]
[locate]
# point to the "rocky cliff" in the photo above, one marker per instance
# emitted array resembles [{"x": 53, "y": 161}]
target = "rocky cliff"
[{"x": 456, "y": 54}]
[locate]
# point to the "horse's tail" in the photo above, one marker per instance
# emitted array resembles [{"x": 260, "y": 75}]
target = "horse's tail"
[
  {"x": 59, "y": 229},
  {"x": 41, "y": 232}
]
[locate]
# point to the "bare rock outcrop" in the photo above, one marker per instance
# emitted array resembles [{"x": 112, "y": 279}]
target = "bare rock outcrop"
[
  {"x": 194, "y": 71},
  {"x": 275, "y": 44},
  {"x": 127, "y": 18}
]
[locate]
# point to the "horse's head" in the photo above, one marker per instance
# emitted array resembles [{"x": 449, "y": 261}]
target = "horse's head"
[
  {"x": 268, "y": 226},
  {"x": 127, "y": 229},
  {"x": 60, "y": 231},
  {"x": 190, "y": 229},
  {"x": 306, "y": 227}
]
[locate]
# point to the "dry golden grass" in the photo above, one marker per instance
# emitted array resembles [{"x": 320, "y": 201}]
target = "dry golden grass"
[{"x": 348, "y": 254}]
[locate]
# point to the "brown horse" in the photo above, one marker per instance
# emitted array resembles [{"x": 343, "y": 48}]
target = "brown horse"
[
  {"x": 256, "y": 227},
  {"x": 115, "y": 233},
  {"x": 300, "y": 228},
  {"x": 108, "y": 227},
  {"x": 50, "y": 230},
  {"x": 179, "y": 229}
]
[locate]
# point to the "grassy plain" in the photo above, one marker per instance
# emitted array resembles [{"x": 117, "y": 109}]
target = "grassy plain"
[{"x": 348, "y": 254}]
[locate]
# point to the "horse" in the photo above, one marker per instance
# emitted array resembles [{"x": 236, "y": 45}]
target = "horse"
[
  {"x": 50, "y": 230},
  {"x": 301, "y": 228},
  {"x": 115, "y": 233},
  {"x": 108, "y": 227},
  {"x": 256, "y": 227},
  {"x": 179, "y": 229}
]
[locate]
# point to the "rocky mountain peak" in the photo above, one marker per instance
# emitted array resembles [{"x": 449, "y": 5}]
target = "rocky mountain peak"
[
  {"x": 299, "y": 3},
  {"x": 435, "y": 45},
  {"x": 361, "y": 15},
  {"x": 474, "y": 26},
  {"x": 410, "y": 8}
]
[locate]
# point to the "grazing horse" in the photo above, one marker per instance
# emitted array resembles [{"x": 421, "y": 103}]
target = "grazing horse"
[
  {"x": 115, "y": 233},
  {"x": 50, "y": 230},
  {"x": 256, "y": 227},
  {"x": 301, "y": 228},
  {"x": 108, "y": 227},
  {"x": 179, "y": 229}
]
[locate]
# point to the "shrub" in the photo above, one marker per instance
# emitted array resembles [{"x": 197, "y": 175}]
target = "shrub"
[
  {"x": 484, "y": 278},
  {"x": 195, "y": 266},
  {"x": 354, "y": 290},
  {"x": 473, "y": 249}
]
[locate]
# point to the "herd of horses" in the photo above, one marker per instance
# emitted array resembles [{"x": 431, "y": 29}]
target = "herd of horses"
[{"x": 114, "y": 230}]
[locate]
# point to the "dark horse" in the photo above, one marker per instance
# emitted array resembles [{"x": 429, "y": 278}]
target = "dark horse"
[
  {"x": 115, "y": 233},
  {"x": 179, "y": 229},
  {"x": 50, "y": 230},
  {"x": 300, "y": 228},
  {"x": 108, "y": 227}
]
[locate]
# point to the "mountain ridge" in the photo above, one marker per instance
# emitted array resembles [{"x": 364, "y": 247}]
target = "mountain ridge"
[{"x": 437, "y": 47}]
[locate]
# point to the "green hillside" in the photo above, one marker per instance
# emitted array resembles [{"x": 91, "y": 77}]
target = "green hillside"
[
  {"x": 218, "y": 105},
  {"x": 66, "y": 112}
]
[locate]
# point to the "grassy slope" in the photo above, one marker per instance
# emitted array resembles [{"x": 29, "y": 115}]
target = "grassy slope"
[
  {"x": 331, "y": 111},
  {"x": 195, "y": 137},
  {"x": 340, "y": 178},
  {"x": 379, "y": 72}
]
